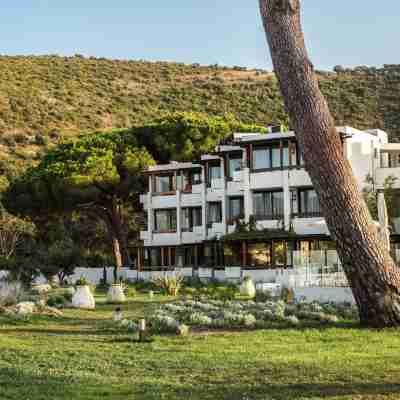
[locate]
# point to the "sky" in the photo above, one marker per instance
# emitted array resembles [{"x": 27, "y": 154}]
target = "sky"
[{"x": 227, "y": 32}]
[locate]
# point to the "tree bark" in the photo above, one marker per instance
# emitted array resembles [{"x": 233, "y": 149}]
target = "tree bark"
[{"x": 372, "y": 274}]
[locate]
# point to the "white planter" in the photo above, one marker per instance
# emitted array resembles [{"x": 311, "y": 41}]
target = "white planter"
[
  {"x": 116, "y": 294},
  {"x": 247, "y": 288},
  {"x": 83, "y": 298}
]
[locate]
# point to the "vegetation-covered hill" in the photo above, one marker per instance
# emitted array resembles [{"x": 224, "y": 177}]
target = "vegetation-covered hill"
[{"x": 45, "y": 98}]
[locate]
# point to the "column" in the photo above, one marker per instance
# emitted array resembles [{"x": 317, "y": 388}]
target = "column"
[
  {"x": 224, "y": 198},
  {"x": 286, "y": 199},
  {"x": 204, "y": 201},
  {"x": 150, "y": 215}
]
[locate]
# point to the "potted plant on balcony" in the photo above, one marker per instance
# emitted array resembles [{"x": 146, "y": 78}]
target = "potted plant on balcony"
[{"x": 83, "y": 297}]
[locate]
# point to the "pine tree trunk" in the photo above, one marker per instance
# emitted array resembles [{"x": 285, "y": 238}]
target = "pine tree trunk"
[{"x": 372, "y": 274}]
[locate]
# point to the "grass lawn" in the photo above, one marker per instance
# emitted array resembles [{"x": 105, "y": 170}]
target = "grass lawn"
[{"x": 81, "y": 356}]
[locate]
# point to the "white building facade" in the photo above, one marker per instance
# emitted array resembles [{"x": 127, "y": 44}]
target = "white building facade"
[{"x": 250, "y": 207}]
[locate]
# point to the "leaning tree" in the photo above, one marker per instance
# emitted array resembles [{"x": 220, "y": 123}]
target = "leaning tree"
[
  {"x": 97, "y": 175},
  {"x": 373, "y": 276}
]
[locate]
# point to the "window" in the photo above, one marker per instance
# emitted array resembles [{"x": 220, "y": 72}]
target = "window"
[
  {"x": 261, "y": 158},
  {"x": 236, "y": 208},
  {"x": 164, "y": 183},
  {"x": 214, "y": 172},
  {"x": 235, "y": 164},
  {"x": 260, "y": 254},
  {"x": 275, "y": 157},
  {"x": 308, "y": 204},
  {"x": 155, "y": 257},
  {"x": 272, "y": 157},
  {"x": 214, "y": 212},
  {"x": 165, "y": 220},
  {"x": 162, "y": 256},
  {"x": 268, "y": 205},
  {"x": 191, "y": 217},
  {"x": 193, "y": 255},
  {"x": 187, "y": 178}
]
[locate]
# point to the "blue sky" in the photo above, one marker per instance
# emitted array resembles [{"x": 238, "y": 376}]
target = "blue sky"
[{"x": 227, "y": 32}]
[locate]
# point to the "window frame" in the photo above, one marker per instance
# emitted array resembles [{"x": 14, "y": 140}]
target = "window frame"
[
  {"x": 231, "y": 218},
  {"x": 170, "y": 211},
  {"x": 273, "y": 216}
]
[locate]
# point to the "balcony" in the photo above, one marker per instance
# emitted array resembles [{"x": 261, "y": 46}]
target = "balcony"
[{"x": 164, "y": 201}]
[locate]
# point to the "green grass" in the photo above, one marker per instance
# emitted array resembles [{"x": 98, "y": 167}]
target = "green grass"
[{"x": 82, "y": 356}]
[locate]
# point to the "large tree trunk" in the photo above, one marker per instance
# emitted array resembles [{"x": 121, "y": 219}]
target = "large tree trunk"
[{"x": 372, "y": 274}]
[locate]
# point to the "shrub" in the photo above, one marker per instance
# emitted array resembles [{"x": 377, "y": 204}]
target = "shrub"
[
  {"x": 57, "y": 301},
  {"x": 82, "y": 281},
  {"x": 170, "y": 285}
]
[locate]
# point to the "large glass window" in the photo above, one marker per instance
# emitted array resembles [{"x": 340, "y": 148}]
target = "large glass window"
[
  {"x": 235, "y": 164},
  {"x": 214, "y": 212},
  {"x": 272, "y": 156},
  {"x": 164, "y": 183},
  {"x": 261, "y": 158},
  {"x": 165, "y": 220},
  {"x": 268, "y": 205},
  {"x": 309, "y": 203},
  {"x": 236, "y": 208},
  {"x": 191, "y": 217},
  {"x": 260, "y": 254}
]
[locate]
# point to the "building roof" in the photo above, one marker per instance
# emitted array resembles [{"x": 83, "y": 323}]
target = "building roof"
[{"x": 172, "y": 166}]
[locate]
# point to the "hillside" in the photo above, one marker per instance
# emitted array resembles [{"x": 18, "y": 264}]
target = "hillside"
[{"x": 45, "y": 98}]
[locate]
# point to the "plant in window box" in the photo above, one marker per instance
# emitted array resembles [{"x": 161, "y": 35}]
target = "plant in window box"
[{"x": 83, "y": 297}]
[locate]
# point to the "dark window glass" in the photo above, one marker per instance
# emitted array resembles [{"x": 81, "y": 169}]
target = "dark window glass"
[
  {"x": 155, "y": 257},
  {"x": 235, "y": 164},
  {"x": 268, "y": 205},
  {"x": 236, "y": 208},
  {"x": 309, "y": 203},
  {"x": 214, "y": 212},
  {"x": 191, "y": 217},
  {"x": 214, "y": 172},
  {"x": 164, "y": 183},
  {"x": 165, "y": 220}
]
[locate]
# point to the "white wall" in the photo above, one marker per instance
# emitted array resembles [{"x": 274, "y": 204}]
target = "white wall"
[{"x": 325, "y": 294}]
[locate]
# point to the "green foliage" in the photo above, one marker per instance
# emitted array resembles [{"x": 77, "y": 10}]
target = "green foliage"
[
  {"x": 184, "y": 136},
  {"x": 82, "y": 281},
  {"x": 53, "y": 97},
  {"x": 93, "y": 169}
]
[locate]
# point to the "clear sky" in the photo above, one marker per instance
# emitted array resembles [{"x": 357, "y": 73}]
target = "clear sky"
[{"x": 227, "y": 32}]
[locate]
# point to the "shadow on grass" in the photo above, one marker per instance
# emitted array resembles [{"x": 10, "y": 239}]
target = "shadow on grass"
[
  {"x": 232, "y": 391},
  {"x": 20, "y": 384}
]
